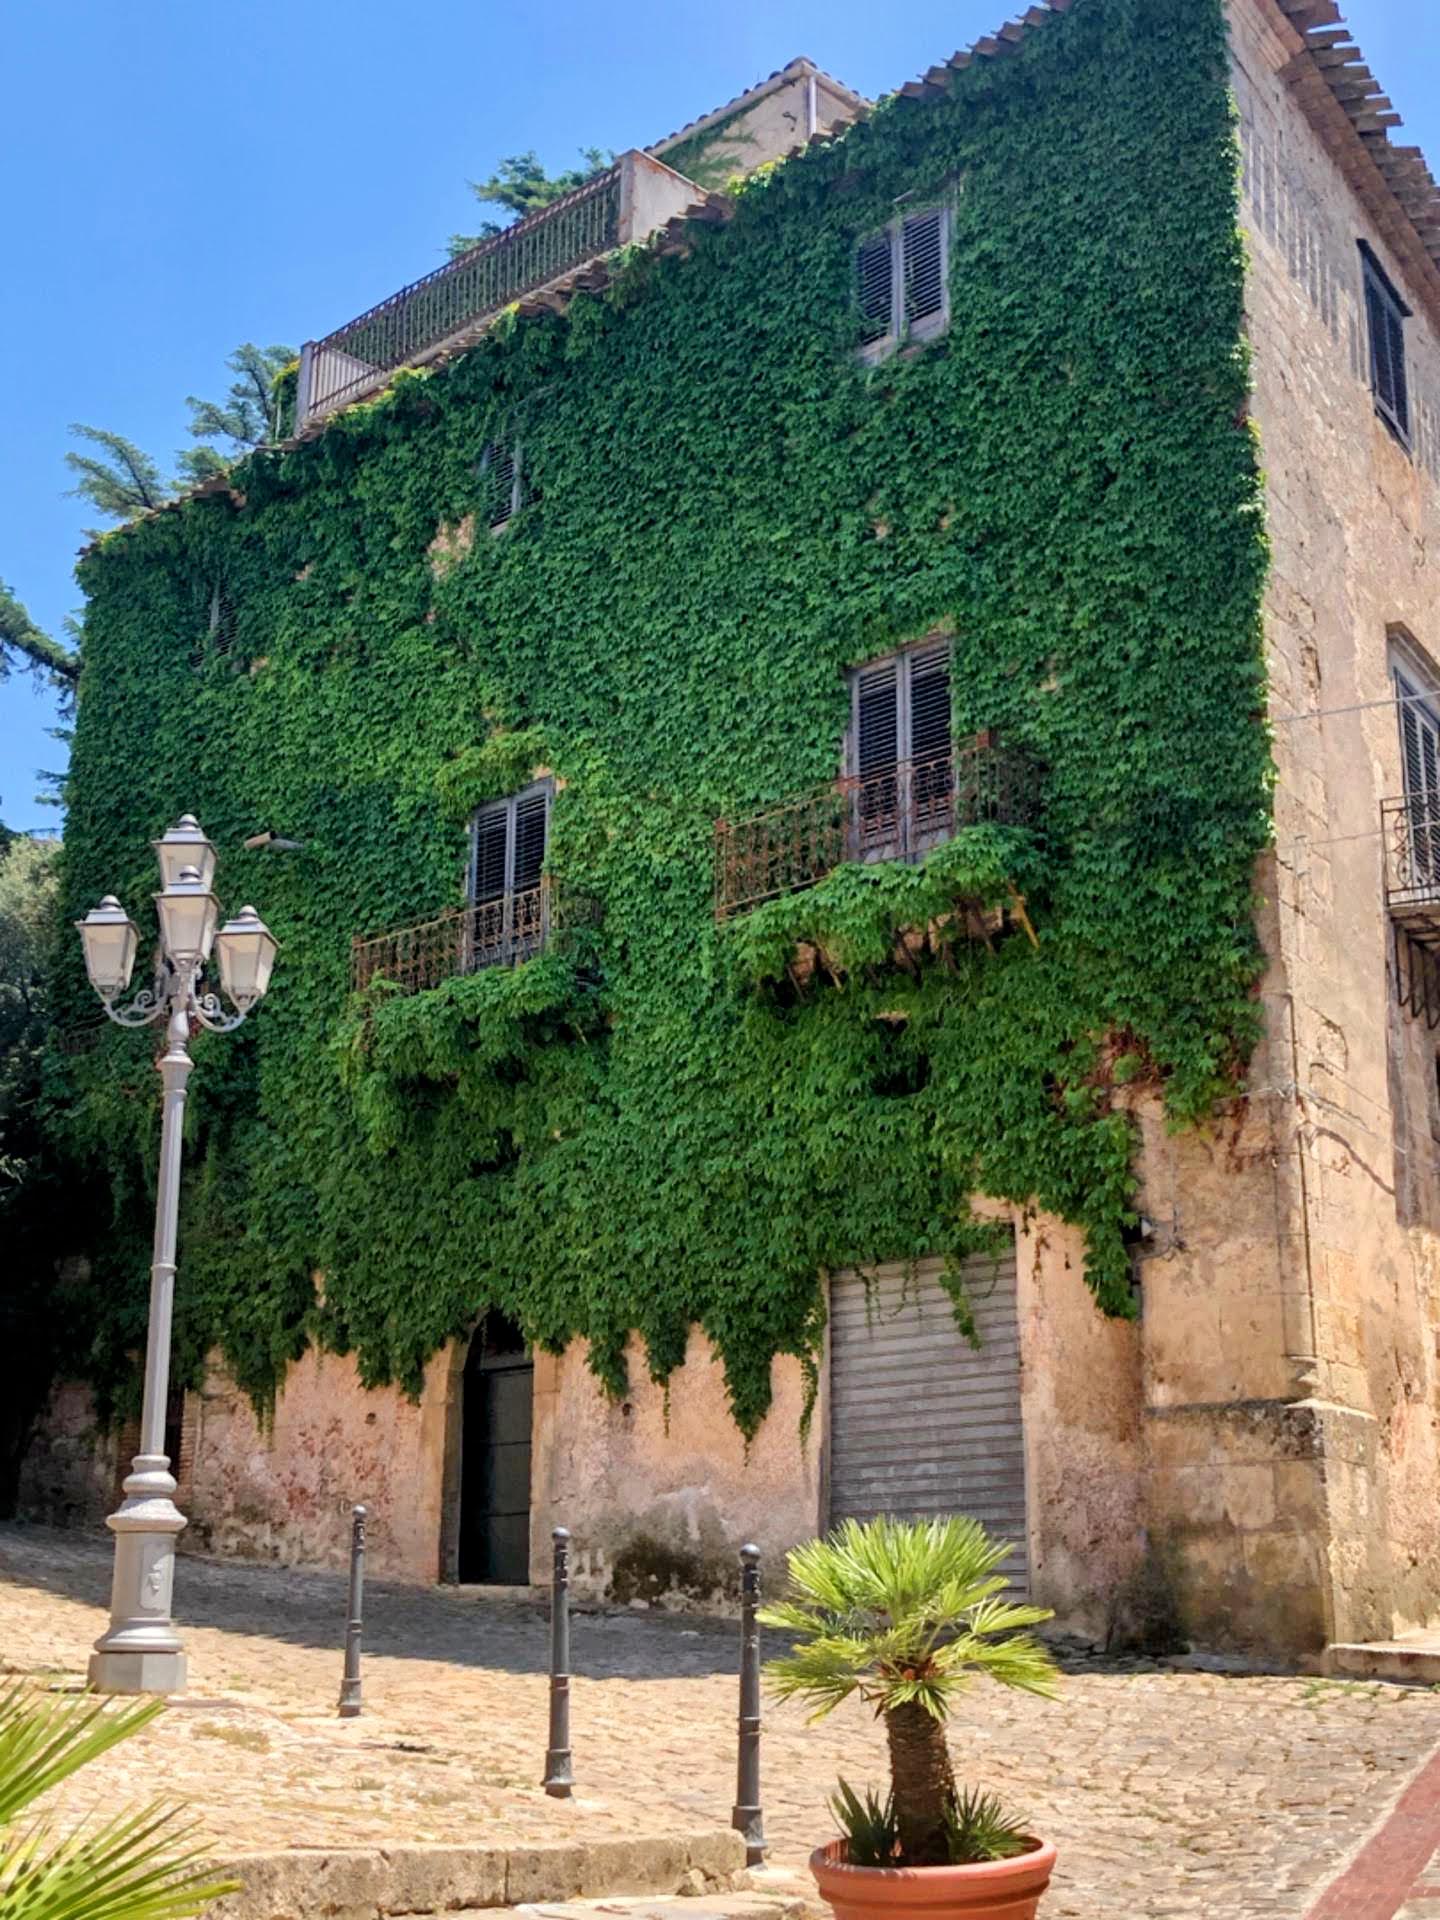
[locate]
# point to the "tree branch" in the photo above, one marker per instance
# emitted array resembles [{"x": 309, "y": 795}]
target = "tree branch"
[{"x": 18, "y": 631}]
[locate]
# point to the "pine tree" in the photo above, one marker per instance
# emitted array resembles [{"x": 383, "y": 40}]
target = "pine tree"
[
  {"x": 127, "y": 483},
  {"x": 245, "y": 418},
  {"x": 521, "y": 185}
]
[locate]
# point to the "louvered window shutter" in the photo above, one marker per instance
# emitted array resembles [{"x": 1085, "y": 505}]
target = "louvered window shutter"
[
  {"x": 877, "y": 719},
  {"x": 922, "y": 249},
  {"x": 492, "y": 840},
  {"x": 930, "y": 703},
  {"x": 1385, "y": 314},
  {"x": 1399, "y": 384},
  {"x": 875, "y": 273},
  {"x": 1381, "y": 363},
  {"x": 532, "y": 812},
  {"x": 877, "y": 747},
  {"x": 498, "y": 469}
]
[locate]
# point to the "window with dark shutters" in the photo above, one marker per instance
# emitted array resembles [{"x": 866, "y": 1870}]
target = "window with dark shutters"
[
  {"x": 902, "y": 281},
  {"x": 509, "y": 910},
  {"x": 900, "y": 758},
  {"x": 1386, "y": 314}
]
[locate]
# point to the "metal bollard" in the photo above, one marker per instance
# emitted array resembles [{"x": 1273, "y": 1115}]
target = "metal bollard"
[
  {"x": 749, "y": 1816},
  {"x": 559, "y": 1773},
  {"x": 350, "y": 1683}
]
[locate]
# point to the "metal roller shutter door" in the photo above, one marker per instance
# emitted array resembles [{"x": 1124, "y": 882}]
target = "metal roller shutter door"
[{"x": 920, "y": 1423}]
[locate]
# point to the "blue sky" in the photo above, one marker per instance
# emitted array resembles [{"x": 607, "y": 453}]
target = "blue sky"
[{"x": 177, "y": 178}]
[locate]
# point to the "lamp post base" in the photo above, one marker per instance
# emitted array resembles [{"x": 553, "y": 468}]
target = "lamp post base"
[
  {"x": 115, "y": 1672},
  {"x": 140, "y": 1651}
]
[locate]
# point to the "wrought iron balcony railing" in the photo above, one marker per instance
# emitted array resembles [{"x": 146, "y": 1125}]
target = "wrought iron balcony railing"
[
  {"x": 1410, "y": 829},
  {"x": 496, "y": 933},
  {"x": 900, "y": 813},
  {"x": 452, "y": 305}
]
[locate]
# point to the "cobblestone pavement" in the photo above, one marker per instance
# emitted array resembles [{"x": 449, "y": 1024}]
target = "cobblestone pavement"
[{"x": 1170, "y": 1790}]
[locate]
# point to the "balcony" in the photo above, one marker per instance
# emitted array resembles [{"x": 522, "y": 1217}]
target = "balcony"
[
  {"x": 452, "y": 306},
  {"x": 1410, "y": 833},
  {"x": 497, "y": 933},
  {"x": 1410, "y": 829},
  {"x": 901, "y": 813}
]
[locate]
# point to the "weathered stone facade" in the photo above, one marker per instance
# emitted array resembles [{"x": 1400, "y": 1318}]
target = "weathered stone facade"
[{"x": 1267, "y": 1437}]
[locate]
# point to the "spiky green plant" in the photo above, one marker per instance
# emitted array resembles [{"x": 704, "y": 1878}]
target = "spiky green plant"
[
  {"x": 905, "y": 1614},
  {"x": 868, "y": 1824},
  {"x": 978, "y": 1827},
  {"x": 134, "y": 1867}
]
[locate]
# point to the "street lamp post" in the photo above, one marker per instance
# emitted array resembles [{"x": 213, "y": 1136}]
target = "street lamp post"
[{"x": 140, "y": 1651}]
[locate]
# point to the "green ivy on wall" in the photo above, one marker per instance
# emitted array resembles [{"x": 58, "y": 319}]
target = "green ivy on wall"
[{"x": 726, "y": 510}]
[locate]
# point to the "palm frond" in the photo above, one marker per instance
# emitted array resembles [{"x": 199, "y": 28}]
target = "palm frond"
[
  {"x": 43, "y": 1740},
  {"x": 903, "y": 1612},
  {"x": 127, "y": 1869}
]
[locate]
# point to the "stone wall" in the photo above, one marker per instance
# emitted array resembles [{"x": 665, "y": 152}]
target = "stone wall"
[
  {"x": 71, "y": 1472},
  {"x": 1290, "y": 1299}
]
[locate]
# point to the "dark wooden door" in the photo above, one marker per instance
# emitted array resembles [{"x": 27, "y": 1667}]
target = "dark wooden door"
[{"x": 495, "y": 1458}]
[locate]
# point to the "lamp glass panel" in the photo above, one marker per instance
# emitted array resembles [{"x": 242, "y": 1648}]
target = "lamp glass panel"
[
  {"x": 109, "y": 953},
  {"x": 184, "y": 847},
  {"x": 246, "y": 952},
  {"x": 187, "y": 921}
]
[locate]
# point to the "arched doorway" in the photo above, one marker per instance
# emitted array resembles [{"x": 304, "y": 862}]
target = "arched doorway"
[{"x": 494, "y": 1494}]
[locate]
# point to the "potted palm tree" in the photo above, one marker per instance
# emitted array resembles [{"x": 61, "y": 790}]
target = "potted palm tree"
[{"x": 904, "y": 1614}]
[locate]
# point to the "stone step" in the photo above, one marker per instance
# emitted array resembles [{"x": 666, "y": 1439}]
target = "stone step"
[
  {"x": 1413, "y": 1657},
  {"x": 709, "y": 1906}
]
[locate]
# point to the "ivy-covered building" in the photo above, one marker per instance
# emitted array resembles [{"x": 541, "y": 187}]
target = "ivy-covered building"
[{"x": 821, "y": 727}]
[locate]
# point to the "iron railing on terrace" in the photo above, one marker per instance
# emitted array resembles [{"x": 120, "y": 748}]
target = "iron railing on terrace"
[
  {"x": 900, "y": 813},
  {"x": 495, "y": 933},
  {"x": 1410, "y": 830},
  {"x": 624, "y": 203}
]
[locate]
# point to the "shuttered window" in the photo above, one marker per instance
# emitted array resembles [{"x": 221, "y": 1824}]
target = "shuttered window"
[
  {"x": 900, "y": 710},
  {"x": 902, "y": 281},
  {"x": 1386, "y": 314},
  {"x": 500, "y": 476},
  {"x": 507, "y": 845},
  {"x": 1420, "y": 750},
  {"x": 900, "y": 756}
]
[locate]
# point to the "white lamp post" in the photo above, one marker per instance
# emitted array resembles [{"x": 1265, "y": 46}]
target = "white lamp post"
[{"x": 140, "y": 1651}]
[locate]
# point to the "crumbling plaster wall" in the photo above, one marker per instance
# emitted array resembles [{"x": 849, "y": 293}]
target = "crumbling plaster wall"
[
  {"x": 283, "y": 1489},
  {"x": 1299, "y": 1297}
]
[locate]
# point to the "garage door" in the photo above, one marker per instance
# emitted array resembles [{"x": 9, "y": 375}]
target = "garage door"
[{"x": 920, "y": 1422}]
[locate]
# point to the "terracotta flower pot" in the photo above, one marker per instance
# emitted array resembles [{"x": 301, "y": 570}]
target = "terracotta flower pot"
[{"x": 995, "y": 1890}]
